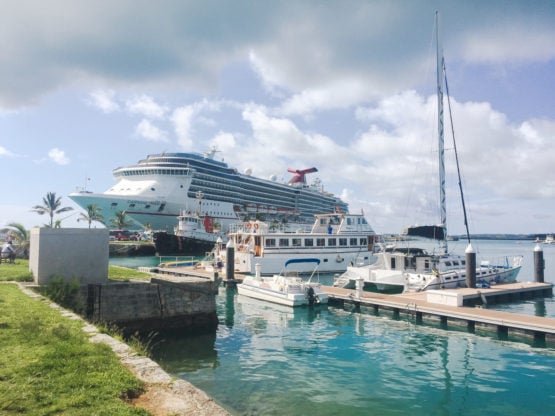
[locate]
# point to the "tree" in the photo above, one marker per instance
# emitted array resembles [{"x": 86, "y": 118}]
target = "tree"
[
  {"x": 51, "y": 207},
  {"x": 18, "y": 232},
  {"x": 92, "y": 214},
  {"x": 120, "y": 221}
]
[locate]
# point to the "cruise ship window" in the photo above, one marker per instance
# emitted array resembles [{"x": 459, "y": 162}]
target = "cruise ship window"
[
  {"x": 353, "y": 242},
  {"x": 147, "y": 206},
  {"x": 342, "y": 241},
  {"x": 308, "y": 242},
  {"x": 296, "y": 242},
  {"x": 320, "y": 242},
  {"x": 363, "y": 241},
  {"x": 332, "y": 242},
  {"x": 270, "y": 242}
]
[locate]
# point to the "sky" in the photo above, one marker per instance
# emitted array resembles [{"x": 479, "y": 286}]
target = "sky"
[{"x": 345, "y": 86}]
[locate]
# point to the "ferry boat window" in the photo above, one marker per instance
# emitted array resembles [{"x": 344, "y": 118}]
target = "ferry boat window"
[
  {"x": 152, "y": 189},
  {"x": 353, "y": 242},
  {"x": 147, "y": 206},
  {"x": 114, "y": 204},
  {"x": 296, "y": 242},
  {"x": 332, "y": 242},
  {"x": 342, "y": 241},
  {"x": 455, "y": 263},
  {"x": 349, "y": 221},
  {"x": 463, "y": 262},
  {"x": 426, "y": 264},
  {"x": 270, "y": 242},
  {"x": 284, "y": 242},
  {"x": 131, "y": 205},
  {"x": 363, "y": 241},
  {"x": 393, "y": 263},
  {"x": 308, "y": 242},
  {"x": 448, "y": 263},
  {"x": 162, "y": 206},
  {"x": 320, "y": 242}
]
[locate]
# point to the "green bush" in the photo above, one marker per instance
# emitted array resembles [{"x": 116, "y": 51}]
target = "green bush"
[{"x": 66, "y": 294}]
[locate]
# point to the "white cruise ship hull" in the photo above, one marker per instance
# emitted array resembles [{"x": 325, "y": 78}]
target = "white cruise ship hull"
[{"x": 156, "y": 190}]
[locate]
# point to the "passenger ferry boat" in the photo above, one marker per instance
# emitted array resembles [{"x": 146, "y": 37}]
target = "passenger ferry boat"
[
  {"x": 336, "y": 240},
  {"x": 156, "y": 190}
]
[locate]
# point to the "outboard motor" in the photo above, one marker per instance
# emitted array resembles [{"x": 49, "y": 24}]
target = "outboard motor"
[{"x": 311, "y": 296}]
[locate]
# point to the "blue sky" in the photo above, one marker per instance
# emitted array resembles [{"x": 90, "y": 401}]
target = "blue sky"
[{"x": 345, "y": 86}]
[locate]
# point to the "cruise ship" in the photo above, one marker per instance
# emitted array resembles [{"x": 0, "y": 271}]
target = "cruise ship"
[{"x": 156, "y": 190}]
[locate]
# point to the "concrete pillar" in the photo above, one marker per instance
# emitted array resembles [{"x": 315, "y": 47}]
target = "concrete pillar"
[
  {"x": 470, "y": 266},
  {"x": 230, "y": 260},
  {"x": 539, "y": 264}
]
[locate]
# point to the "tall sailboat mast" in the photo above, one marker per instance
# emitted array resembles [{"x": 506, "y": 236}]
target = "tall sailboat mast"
[{"x": 441, "y": 148}]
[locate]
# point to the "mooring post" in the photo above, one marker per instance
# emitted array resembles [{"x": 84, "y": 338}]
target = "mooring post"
[
  {"x": 359, "y": 285},
  {"x": 230, "y": 260},
  {"x": 470, "y": 267},
  {"x": 539, "y": 264}
]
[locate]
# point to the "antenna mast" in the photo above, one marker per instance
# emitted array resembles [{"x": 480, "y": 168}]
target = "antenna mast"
[{"x": 441, "y": 149}]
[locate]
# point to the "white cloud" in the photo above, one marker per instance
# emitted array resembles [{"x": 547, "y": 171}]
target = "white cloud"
[
  {"x": 146, "y": 106},
  {"x": 104, "y": 100},
  {"x": 514, "y": 43},
  {"x": 224, "y": 142},
  {"x": 150, "y": 132},
  {"x": 182, "y": 119},
  {"x": 58, "y": 156},
  {"x": 5, "y": 152}
]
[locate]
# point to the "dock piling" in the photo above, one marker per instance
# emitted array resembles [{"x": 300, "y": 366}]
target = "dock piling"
[
  {"x": 230, "y": 261},
  {"x": 539, "y": 264},
  {"x": 470, "y": 267}
]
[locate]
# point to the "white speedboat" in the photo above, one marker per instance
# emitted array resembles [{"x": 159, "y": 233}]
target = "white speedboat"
[
  {"x": 286, "y": 288},
  {"x": 413, "y": 269},
  {"x": 337, "y": 240}
]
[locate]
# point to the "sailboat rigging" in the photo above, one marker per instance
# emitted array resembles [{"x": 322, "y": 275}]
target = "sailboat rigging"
[{"x": 413, "y": 269}]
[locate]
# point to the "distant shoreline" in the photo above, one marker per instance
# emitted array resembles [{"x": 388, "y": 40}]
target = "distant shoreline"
[{"x": 525, "y": 237}]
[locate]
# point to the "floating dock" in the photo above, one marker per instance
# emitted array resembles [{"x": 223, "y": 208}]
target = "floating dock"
[{"x": 440, "y": 307}]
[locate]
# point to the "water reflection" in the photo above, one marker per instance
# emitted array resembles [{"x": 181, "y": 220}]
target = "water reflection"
[{"x": 184, "y": 353}]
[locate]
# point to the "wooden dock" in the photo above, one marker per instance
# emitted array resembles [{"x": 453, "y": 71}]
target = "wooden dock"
[{"x": 417, "y": 307}]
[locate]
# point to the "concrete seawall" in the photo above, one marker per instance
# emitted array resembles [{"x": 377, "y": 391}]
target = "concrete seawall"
[{"x": 162, "y": 304}]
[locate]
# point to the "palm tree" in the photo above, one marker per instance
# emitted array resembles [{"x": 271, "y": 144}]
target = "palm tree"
[
  {"x": 120, "y": 221},
  {"x": 92, "y": 214},
  {"x": 18, "y": 232},
  {"x": 51, "y": 206}
]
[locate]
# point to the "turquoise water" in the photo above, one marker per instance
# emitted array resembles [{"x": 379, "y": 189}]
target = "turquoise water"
[{"x": 269, "y": 360}]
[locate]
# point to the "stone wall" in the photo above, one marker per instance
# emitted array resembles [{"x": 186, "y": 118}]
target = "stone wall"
[{"x": 156, "y": 306}]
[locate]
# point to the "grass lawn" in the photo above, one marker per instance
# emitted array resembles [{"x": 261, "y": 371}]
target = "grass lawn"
[
  {"x": 19, "y": 272},
  {"x": 48, "y": 366}
]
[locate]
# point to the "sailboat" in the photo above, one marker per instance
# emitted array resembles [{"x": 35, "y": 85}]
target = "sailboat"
[{"x": 414, "y": 269}]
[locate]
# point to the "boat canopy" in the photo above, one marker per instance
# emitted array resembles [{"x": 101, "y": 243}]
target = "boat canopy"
[{"x": 435, "y": 232}]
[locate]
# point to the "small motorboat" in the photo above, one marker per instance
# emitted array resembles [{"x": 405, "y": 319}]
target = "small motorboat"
[{"x": 286, "y": 288}]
